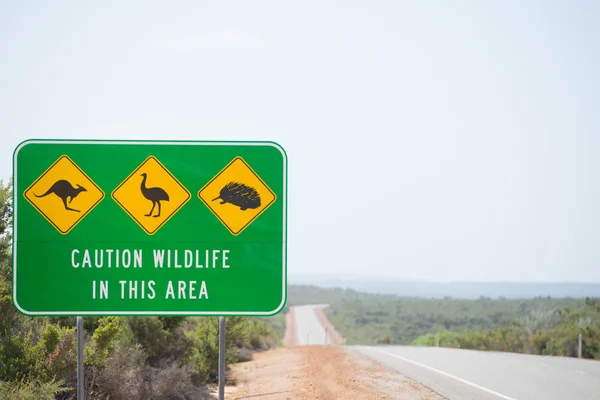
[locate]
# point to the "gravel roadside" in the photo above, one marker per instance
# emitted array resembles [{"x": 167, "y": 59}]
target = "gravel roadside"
[{"x": 321, "y": 372}]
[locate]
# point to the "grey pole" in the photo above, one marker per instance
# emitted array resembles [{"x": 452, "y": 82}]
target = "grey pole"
[
  {"x": 80, "y": 388},
  {"x": 579, "y": 348},
  {"x": 221, "y": 358}
]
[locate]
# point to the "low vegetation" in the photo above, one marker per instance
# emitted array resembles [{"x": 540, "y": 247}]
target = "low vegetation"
[
  {"x": 554, "y": 332},
  {"x": 276, "y": 325},
  {"x": 535, "y": 326}
]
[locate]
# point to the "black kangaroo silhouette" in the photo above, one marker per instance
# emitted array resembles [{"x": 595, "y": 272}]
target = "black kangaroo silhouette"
[
  {"x": 154, "y": 194},
  {"x": 64, "y": 190}
]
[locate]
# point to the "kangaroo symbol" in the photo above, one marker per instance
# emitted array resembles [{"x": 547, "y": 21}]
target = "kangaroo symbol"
[
  {"x": 154, "y": 194},
  {"x": 64, "y": 190}
]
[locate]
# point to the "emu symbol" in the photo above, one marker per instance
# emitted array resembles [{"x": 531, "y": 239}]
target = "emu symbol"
[{"x": 154, "y": 194}]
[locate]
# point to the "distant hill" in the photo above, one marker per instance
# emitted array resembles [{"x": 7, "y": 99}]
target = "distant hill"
[{"x": 458, "y": 290}]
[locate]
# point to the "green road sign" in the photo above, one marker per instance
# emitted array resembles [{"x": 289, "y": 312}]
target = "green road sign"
[{"x": 149, "y": 228}]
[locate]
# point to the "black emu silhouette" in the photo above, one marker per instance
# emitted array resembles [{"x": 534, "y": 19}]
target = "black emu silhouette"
[
  {"x": 154, "y": 194},
  {"x": 64, "y": 190}
]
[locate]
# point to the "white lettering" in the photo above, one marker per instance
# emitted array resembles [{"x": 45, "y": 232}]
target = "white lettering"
[
  {"x": 109, "y": 253},
  {"x": 126, "y": 258},
  {"x": 225, "y": 252},
  {"x": 104, "y": 289},
  {"x": 151, "y": 287},
  {"x": 203, "y": 291},
  {"x": 98, "y": 255},
  {"x": 198, "y": 259},
  {"x": 133, "y": 289},
  {"x": 177, "y": 265},
  {"x": 122, "y": 288},
  {"x": 137, "y": 259},
  {"x": 215, "y": 254},
  {"x": 73, "y": 263},
  {"x": 188, "y": 258},
  {"x": 159, "y": 258},
  {"x": 181, "y": 291},
  {"x": 170, "y": 291},
  {"x": 192, "y": 283},
  {"x": 86, "y": 259}
]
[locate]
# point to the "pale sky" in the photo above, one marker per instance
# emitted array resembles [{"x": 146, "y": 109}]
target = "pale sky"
[{"x": 434, "y": 140}]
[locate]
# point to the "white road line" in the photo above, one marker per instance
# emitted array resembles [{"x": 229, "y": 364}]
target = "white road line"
[{"x": 466, "y": 382}]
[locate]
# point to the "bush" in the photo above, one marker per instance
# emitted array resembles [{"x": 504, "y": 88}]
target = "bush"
[
  {"x": 171, "y": 380},
  {"x": 62, "y": 362},
  {"x": 25, "y": 349},
  {"x": 129, "y": 377},
  {"x": 30, "y": 390},
  {"x": 446, "y": 339},
  {"x": 203, "y": 355},
  {"x": 244, "y": 355},
  {"x": 124, "y": 376},
  {"x": 149, "y": 332},
  {"x": 96, "y": 354},
  {"x": 260, "y": 337}
]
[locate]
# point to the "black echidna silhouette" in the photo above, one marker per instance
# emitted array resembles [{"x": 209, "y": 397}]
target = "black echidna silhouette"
[{"x": 240, "y": 195}]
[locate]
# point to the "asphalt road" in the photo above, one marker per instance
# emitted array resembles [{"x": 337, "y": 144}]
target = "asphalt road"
[
  {"x": 308, "y": 327},
  {"x": 475, "y": 375}
]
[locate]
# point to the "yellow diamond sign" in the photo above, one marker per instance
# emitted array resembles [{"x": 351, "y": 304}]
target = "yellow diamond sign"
[
  {"x": 237, "y": 195},
  {"x": 64, "y": 194},
  {"x": 151, "y": 195}
]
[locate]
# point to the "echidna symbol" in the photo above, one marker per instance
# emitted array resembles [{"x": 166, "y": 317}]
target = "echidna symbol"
[{"x": 240, "y": 195}]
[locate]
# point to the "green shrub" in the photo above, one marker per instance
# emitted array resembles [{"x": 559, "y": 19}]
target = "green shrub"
[
  {"x": 96, "y": 354},
  {"x": 260, "y": 336},
  {"x": 30, "y": 390},
  {"x": 149, "y": 332},
  {"x": 555, "y": 333},
  {"x": 203, "y": 354}
]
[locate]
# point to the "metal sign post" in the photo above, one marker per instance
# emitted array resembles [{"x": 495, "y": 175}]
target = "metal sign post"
[
  {"x": 221, "y": 358},
  {"x": 80, "y": 375}
]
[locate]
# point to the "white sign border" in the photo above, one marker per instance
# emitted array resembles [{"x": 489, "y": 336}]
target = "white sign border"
[{"x": 16, "y": 191}]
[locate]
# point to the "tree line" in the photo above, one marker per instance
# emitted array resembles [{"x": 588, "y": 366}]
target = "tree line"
[
  {"x": 542, "y": 325},
  {"x": 553, "y": 332}
]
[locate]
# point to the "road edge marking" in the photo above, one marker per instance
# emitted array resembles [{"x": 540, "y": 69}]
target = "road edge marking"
[{"x": 466, "y": 382}]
